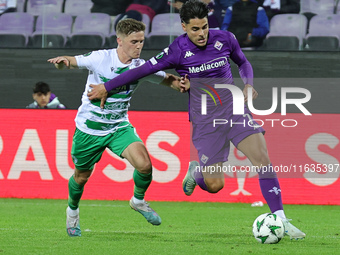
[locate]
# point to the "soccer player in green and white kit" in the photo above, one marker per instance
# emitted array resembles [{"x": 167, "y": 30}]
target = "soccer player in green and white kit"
[{"x": 98, "y": 129}]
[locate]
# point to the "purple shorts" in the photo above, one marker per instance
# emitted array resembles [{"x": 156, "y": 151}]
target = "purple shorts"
[{"x": 213, "y": 142}]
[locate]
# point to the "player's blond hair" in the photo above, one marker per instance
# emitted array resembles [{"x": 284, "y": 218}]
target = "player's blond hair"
[{"x": 128, "y": 26}]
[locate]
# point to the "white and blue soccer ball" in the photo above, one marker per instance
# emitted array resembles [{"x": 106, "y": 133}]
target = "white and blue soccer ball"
[{"x": 268, "y": 228}]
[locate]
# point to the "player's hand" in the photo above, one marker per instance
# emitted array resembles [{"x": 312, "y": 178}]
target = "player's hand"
[
  {"x": 184, "y": 84},
  {"x": 59, "y": 62},
  {"x": 98, "y": 92},
  {"x": 254, "y": 93}
]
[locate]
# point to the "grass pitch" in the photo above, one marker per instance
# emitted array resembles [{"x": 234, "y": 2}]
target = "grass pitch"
[{"x": 34, "y": 226}]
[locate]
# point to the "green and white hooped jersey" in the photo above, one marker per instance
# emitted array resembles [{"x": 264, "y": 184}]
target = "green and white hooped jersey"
[{"x": 104, "y": 65}]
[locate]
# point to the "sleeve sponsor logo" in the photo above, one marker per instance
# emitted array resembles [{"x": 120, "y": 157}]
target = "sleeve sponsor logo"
[
  {"x": 166, "y": 50},
  {"x": 87, "y": 54},
  {"x": 160, "y": 55},
  {"x": 153, "y": 61}
]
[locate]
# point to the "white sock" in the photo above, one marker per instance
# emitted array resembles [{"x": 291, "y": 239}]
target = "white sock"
[
  {"x": 281, "y": 214},
  {"x": 71, "y": 212},
  {"x": 137, "y": 201}
]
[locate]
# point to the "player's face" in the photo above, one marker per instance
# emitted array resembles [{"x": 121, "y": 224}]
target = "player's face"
[
  {"x": 132, "y": 44},
  {"x": 41, "y": 98},
  {"x": 197, "y": 30}
]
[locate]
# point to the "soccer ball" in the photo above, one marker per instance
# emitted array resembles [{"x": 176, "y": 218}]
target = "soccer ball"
[{"x": 268, "y": 228}]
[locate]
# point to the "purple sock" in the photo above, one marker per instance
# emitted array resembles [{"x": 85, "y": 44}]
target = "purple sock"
[
  {"x": 270, "y": 188},
  {"x": 198, "y": 176}
]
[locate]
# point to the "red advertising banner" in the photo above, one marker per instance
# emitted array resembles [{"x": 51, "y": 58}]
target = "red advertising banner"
[{"x": 35, "y": 159}]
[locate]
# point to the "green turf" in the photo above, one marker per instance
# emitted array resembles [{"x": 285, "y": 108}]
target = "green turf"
[{"x": 34, "y": 226}]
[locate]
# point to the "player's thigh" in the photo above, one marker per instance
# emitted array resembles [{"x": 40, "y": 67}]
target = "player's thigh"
[
  {"x": 212, "y": 145},
  {"x": 247, "y": 136},
  {"x": 87, "y": 150},
  {"x": 127, "y": 144},
  {"x": 138, "y": 157},
  {"x": 255, "y": 148}
]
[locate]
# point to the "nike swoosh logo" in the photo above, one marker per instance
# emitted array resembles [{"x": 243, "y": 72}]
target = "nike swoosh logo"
[{"x": 184, "y": 187}]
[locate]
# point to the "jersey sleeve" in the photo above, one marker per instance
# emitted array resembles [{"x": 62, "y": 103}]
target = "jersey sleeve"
[
  {"x": 165, "y": 60},
  {"x": 238, "y": 57},
  {"x": 155, "y": 77},
  {"x": 89, "y": 60}
]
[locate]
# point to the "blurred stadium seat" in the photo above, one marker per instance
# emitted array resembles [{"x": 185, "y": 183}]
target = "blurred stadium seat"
[
  {"x": 52, "y": 31},
  {"x": 324, "y": 33},
  {"x": 162, "y": 27},
  {"x": 287, "y": 32},
  {"x": 39, "y": 7},
  {"x": 15, "y": 29},
  {"x": 90, "y": 30},
  {"x": 325, "y": 7},
  {"x": 21, "y": 5},
  {"x": 77, "y": 7},
  {"x": 146, "y": 21}
]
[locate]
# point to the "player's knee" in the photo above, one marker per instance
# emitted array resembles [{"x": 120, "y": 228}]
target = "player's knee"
[
  {"x": 215, "y": 186},
  {"x": 262, "y": 158},
  {"x": 145, "y": 167},
  {"x": 81, "y": 180},
  {"x": 81, "y": 177}
]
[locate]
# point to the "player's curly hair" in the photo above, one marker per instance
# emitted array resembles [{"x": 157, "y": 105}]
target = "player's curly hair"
[
  {"x": 128, "y": 26},
  {"x": 193, "y": 9}
]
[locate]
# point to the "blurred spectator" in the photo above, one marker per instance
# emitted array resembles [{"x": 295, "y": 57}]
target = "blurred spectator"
[
  {"x": 149, "y": 7},
  {"x": 274, "y": 7},
  {"x": 177, "y": 4},
  {"x": 8, "y": 6},
  {"x": 225, "y": 3},
  {"x": 43, "y": 98},
  {"x": 220, "y": 8},
  {"x": 111, "y": 7},
  {"x": 248, "y": 22},
  {"x": 213, "y": 20}
]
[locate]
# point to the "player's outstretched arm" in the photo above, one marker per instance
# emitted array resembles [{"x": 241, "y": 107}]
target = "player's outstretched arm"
[
  {"x": 181, "y": 84},
  {"x": 64, "y": 62}
]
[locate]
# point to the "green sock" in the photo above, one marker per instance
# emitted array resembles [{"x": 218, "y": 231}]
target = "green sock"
[
  {"x": 142, "y": 182},
  {"x": 75, "y": 191}
]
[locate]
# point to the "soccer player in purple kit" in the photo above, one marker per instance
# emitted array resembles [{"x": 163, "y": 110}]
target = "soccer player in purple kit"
[{"x": 203, "y": 55}]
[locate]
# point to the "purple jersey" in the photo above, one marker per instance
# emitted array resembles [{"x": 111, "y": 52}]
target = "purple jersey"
[{"x": 205, "y": 67}]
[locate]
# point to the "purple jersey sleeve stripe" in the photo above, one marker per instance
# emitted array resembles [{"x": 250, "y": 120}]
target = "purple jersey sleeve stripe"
[
  {"x": 246, "y": 73},
  {"x": 150, "y": 67},
  {"x": 245, "y": 68}
]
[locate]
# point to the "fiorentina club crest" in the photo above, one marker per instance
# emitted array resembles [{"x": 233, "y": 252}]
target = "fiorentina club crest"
[{"x": 218, "y": 45}]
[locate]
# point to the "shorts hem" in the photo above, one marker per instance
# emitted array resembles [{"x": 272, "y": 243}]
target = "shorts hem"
[
  {"x": 244, "y": 135},
  {"x": 215, "y": 161},
  {"x": 127, "y": 145}
]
